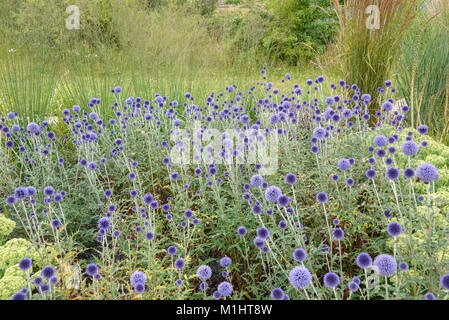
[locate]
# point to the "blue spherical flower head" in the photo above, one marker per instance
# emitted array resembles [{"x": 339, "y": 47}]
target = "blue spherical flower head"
[
  {"x": 19, "y": 296},
  {"x": 49, "y": 191},
  {"x": 283, "y": 200},
  {"x": 290, "y": 179},
  {"x": 138, "y": 277},
  {"x": 409, "y": 148},
  {"x": 429, "y": 296},
  {"x": 25, "y": 264},
  {"x": 241, "y": 231},
  {"x": 48, "y": 272},
  {"x": 91, "y": 269},
  {"x": 364, "y": 260},
  {"x": 256, "y": 180},
  {"x": 225, "y": 262},
  {"x": 427, "y": 173},
  {"x": 322, "y": 197},
  {"x": 319, "y": 133},
  {"x": 356, "y": 280},
  {"x": 393, "y": 173},
  {"x": 380, "y": 141},
  {"x": 394, "y": 229},
  {"x": 338, "y": 233},
  {"x": 299, "y": 255},
  {"x": 225, "y": 289},
  {"x": 331, "y": 280},
  {"x": 386, "y": 265},
  {"x": 423, "y": 129},
  {"x": 444, "y": 281},
  {"x": 37, "y": 281},
  {"x": 216, "y": 295},
  {"x": 149, "y": 236},
  {"x": 272, "y": 194},
  {"x": 354, "y": 287},
  {"x": 300, "y": 277},
  {"x": 104, "y": 223},
  {"x": 344, "y": 164},
  {"x": 55, "y": 223},
  {"x": 139, "y": 288},
  {"x": 258, "y": 242},
  {"x": 277, "y": 294},
  {"x": 409, "y": 173},
  {"x": 179, "y": 264},
  {"x": 403, "y": 266},
  {"x": 178, "y": 282},
  {"x": 204, "y": 272}
]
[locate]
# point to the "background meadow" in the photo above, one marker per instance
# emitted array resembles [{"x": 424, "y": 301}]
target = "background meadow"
[{"x": 90, "y": 118}]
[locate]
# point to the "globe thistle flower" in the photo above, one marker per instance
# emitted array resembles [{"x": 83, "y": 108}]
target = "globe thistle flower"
[
  {"x": 19, "y": 296},
  {"x": 322, "y": 197},
  {"x": 319, "y": 132},
  {"x": 104, "y": 223},
  {"x": 380, "y": 141},
  {"x": 172, "y": 250},
  {"x": 429, "y": 296},
  {"x": 178, "y": 282},
  {"x": 338, "y": 233},
  {"x": 343, "y": 164},
  {"x": 49, "y": 191},
  {"x": 204, "y": 272},
  {"x": 256, "y": 180},
  {"x": 91, "y": 269},
  {"x": 290, "y": 179},
  {"x": 444, "y": 281},
  {"x": 48, "y": 272},
  {"x": 149, "y": 236},
  {"x": 257, "y": 209},
  {"x": 138, "y": 277},
  {"x": 314, "y": 149},
  {"x": 25, "y": 264},
  {"x": 225, "y": 262},
  {"x": 11, "y": 200},
  {"x": 331, "y": 280},
  {"x": 364, "y": 260},
  {"x": 179, "y": 264},
  {"x": 277, "y": 294},
  {"x": 409, "y": 173},
  {"x": 283, "y": 200},
  {"x": 394, "y": 229},
  {"x": 225, "y": 289},
  {"x": 403, "y": 266},
  {"x": 350, "y": 182},
  {"x": 354, "y": 287},
  {"x": 392, "y": 173},
  {"x": 427, "y": 172},
  {"x": 300, "y": 277},
  {"x": 139, "y": 288},
  {"x": 33, "y": 127},
  {"x": 53, "y": 281},
  {"x": 423, "y": 129},
  {"x": 409, "y": 148},
  {"x": 241, "y": 231},
  {"x": 216, "y": 295},
  {"x": 386, "y": 265},
  {"x": 272, "y": 194},
  {"x": 356, "y": 280},
  {"x": 258, "y": 242},
  {"x": 299, "y": 255},
  {"x": 37, "y": 281}
]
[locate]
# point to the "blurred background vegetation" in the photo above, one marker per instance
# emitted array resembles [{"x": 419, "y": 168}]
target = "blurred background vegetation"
[{"x": 173, "y": 46}]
